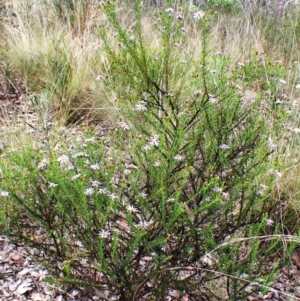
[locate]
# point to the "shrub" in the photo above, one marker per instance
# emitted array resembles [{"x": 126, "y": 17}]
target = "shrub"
[{"x": 175, "y": 201}]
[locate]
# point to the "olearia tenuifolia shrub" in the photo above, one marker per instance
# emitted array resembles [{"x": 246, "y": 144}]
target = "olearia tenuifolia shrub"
[{"x": 175, "y": 202}]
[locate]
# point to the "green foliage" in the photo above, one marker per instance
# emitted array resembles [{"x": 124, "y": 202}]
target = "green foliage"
[
  {"x": 160, "y": 205},
  {"x": 227, "y": 6}
]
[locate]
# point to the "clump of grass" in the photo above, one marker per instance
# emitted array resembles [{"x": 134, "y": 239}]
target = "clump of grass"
[{"x": 53, "y": 58}]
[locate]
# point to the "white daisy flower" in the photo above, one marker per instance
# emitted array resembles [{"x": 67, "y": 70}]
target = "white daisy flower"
[
  {"x": 198, "y": 15},
  {"x": 41, "y": 274},
  {"x": 271, "y": 145},
  {"x": 90, "y": 140},
  {"x": 96, "y": 183},
  {"x": 141, "y": 106},
  {"x": 75, "y": 177},
  {"x": 43, "y": 164},
  {"x": 89, "y": 191},
  {"x": 95, "y": 166},
  {"x": 270, "y": 222},
  {"x": 170, "y": 200},
  {"x": 147, "y": 147},
  {"x": 156, "y": 164},
  {"x": 143, "y": 224},
  {"x": 225, "y": 195},
  {"x": 213, "y": 100},
  {"x": 80, "y": 154},
  {"x": 282, "y": 81},
  {"x": 104, "y": 233},
  {"x": 179, "y": 158},
  {"x": 169, "y": 10},
  {"x": 277, "y": 173},
  {"x": 217, "y": 189},
  {"x": 143, "y": 194},
  {"x": 223, "y": 146},
  {"x": 124, "y": 126},
  {"x": 4, "y": 193},
  {"x": 113, "y": 196},
  {"x": 154, "y": 140},
  {"x": 263, "y": 186},
  {"x": 103, "y": 191},
  {"x": 63, "y": 159},
  {"x": 131, "y": 166},
  {"x": 131, "y": 209}
]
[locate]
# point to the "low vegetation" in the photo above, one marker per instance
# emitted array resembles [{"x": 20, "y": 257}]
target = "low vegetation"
[{"x": 192, "y": 192}]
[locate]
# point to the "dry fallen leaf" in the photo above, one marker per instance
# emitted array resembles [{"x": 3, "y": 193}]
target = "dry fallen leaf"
[
  {"x": 100, "y": 294},
  {"x": 24, "y": 287},
  {"x": 16, "y": 256},
  {"x": 174, "y": 294},
  {"x": 268, "y": 296},
  {"x": 74, "y": 293},
  {"x": 37, "y": 297},
  {"x": 185, "y": 297},
  {"x": 296, "y": 258},
  {"x": 13, "y": 286},
  {"x": 123, "y": 224},
  {"x": 24, "y": 271},
  {"x": 4, "y": 293}
]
